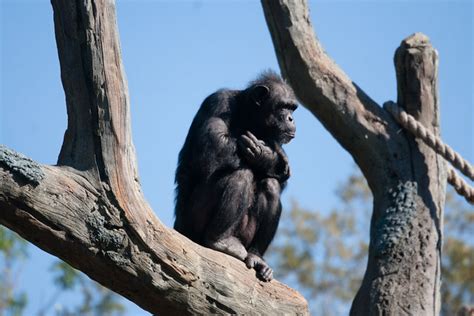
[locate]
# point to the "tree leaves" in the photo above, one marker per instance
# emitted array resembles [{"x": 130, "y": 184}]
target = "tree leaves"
[{"x": 93, "y": 299}]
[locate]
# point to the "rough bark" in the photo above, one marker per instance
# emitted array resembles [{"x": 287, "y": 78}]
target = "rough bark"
[
  {"x": 406, "y": 178},
  {"x": 89, "y": 209}
]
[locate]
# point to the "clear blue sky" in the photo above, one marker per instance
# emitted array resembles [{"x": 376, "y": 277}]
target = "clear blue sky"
[{"x": 177, "y": 52}]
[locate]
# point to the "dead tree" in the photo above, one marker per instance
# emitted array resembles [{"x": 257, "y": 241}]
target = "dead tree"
[
  {"x": 407, "y": 179},
  {"x": 89, "y": 209}
]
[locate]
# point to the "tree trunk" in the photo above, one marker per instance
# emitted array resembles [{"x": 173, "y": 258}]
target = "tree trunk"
[
  {"x": 406, "y": 178},
  {"x": 89, "y": 209}
]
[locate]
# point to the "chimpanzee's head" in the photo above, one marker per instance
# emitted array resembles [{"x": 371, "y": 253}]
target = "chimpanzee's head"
[{"x": 274, "y": 103}]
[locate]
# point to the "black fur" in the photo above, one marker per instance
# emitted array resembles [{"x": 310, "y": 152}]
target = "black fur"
[{"x": 232, "y": 169}]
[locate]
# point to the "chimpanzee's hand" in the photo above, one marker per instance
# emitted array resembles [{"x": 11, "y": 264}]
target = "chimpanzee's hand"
[{"x": 255, "y": 151}]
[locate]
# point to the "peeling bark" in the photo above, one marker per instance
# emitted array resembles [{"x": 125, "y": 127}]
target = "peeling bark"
[
  {"x": 89, "y": 210},
  {"x": 406, "y": 178}
]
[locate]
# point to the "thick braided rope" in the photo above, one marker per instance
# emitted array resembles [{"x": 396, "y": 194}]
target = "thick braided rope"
[
  {"x": 435, "y": 143},
  {"x": 419, "y": 131},
  {"x": 461, "y": 187}
]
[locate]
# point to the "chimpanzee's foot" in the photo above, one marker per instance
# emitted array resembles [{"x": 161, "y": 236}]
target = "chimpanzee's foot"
[
  {"x": 264, "y": 272},
  {"x": 231, "y": 246}
]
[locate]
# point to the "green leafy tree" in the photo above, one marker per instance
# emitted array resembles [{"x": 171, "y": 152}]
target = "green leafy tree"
[
  {"x": 457, "y": 289},
  {"x": 12, "y": 254},
  {"x": 325, "y": 253}
]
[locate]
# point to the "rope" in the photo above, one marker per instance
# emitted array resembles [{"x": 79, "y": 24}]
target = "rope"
[
  {"x": 461, "y": 187},
  {"x": 418, "y": 130},
  {"x": 435, "y": 143}
]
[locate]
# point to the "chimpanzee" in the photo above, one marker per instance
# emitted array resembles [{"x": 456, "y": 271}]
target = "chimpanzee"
[{"x": 232, "y": 169}]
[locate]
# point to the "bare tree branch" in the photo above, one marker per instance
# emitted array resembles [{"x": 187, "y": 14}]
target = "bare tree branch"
[
  {"x": 90, "y": 211},
  {"x": 352, "y": 117},
  {"x": 406, "y": 178}
]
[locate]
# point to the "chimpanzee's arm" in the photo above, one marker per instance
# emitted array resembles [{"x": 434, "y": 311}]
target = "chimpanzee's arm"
[{"x": 216, "y": 148}]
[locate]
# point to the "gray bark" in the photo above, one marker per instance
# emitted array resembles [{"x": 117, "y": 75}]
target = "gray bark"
[
  {"x": 89, "y": 210},
  {"x": 406, "y": 178}
]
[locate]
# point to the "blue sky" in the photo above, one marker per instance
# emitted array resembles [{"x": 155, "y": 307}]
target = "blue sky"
[{"x": 177, "y": 52}]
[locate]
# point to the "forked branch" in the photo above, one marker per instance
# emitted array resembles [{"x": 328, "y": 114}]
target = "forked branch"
[
  {"x": 406, "y": 178},
  {"x": 90, "y": 211}
]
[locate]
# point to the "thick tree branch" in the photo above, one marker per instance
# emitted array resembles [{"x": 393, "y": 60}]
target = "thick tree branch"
[
  {"x": 90, "y": 211},
  {"x": 59, "y": 210},
  {"x": 403, "y": 273},
  {"x": 407, "y": 178},
  {"x": 352, "y": 117}
]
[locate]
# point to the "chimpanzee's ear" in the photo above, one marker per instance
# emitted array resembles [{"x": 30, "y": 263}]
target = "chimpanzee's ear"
[{"x": 259, "y": 94}]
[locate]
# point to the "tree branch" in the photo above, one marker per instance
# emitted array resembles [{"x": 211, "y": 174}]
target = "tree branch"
[
  {"x": 406, "y": 178},
  {"x": 61, "y": 212},
  {"x": 90, "y": 211},
  {"x": 403, "y": 272},
  {"x": 322, "y": 86}
]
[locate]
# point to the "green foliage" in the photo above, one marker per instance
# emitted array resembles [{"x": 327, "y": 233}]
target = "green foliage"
[
  {"x": 66, "y": 276},
  {"x": 12, "y": 254},
  {"x": 325, "y": 253},
  {"x": 11, "y": 245},
  {"x": 108, "y": 305},
  {"x": 457, "y": 268},
  {"x": 94, "y": 300}
]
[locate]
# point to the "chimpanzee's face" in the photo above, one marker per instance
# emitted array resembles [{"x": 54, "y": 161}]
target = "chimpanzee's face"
[{"x": 278, "y": 118}]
